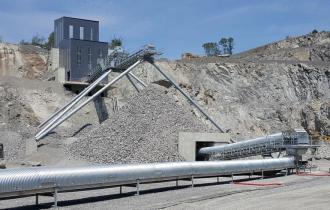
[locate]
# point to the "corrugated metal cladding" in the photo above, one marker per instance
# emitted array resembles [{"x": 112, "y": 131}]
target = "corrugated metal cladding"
[
  {"x": 33, "y": 180},
  {"x": 78, "y": 41}
]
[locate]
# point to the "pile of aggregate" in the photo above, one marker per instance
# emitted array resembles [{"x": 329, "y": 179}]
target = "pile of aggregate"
[
  {"x": 13, "y": 145},
  {"x": 145, "y": 130}
]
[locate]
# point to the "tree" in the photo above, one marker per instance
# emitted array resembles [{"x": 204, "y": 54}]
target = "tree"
[
  {"x": 227, "y": 45},
  {"x": 1, "y": 40},
  {"x": 224, "y": 44},
  {"x": 211, "y": 49},
  {"x": 51, "y": 41},
  {"x": 230, "y": 44},
  {"x": 38, "y": 40},
  {"x": 116, "y": 42},
  {"x": 314, "y": 31}
]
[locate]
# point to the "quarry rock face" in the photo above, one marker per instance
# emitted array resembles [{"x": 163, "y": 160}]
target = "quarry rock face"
[
  {"x": 309, "y": 47},
  {"x": 251, "y": 98},
  {"x": 269, "y": 89},
  {"x": 25, "y": 61}
]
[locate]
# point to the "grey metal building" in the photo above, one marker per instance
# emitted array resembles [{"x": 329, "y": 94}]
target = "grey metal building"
[{"x": 79, "y": 46}]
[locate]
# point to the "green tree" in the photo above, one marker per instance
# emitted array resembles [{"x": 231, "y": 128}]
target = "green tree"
[
  {"x": 116, "y": 42},
  {"x": 1, "y": 40},
  {"x": 51, "y": 41},
  {"x": 224, "y": 44},
  {"x": 38, "y": 40},
  {"x": 227, "y": 45},
  {"x": 230, "y": 44},
  {"x": 211, "y": 49}
]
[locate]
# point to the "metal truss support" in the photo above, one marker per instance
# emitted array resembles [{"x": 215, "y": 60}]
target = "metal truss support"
[
  {"x": 77, "y": 97},
  {"x": 132, "y": 82},
  {"x": 137, "y": 79},
  {"x": 68, "y": 106},
  {"x": 188, "y": 97},
  {"x": 59, "y": 121}
]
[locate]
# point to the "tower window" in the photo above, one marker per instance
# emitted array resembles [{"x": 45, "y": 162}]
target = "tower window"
[
  {"x": 91, "y": 34},
  {"x": 70, "y": 31},
  {"x": 81, "y": 33}
]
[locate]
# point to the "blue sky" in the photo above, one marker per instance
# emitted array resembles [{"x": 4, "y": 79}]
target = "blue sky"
[{"x": 174, "y": 26}]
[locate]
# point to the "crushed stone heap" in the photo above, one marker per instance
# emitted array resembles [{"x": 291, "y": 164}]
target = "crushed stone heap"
[{"x": 145, "y": 130}]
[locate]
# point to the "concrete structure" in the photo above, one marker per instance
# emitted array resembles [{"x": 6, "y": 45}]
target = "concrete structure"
[
  {"x": 191, "y": 142},
  {"x": 79, "y": 48}
]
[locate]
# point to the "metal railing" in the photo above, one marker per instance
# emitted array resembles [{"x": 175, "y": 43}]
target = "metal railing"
[{"x": 260, "y": 146}]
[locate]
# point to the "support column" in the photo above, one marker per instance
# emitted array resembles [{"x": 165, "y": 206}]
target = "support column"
[
  {"x": 192, "y": 181},
  {"x": 137, "y": 187},
  {"x": 132, "y": 82},
  {"x": 37, "y": 199},
  {"x": 55, "y": 197},
  {"x": 286, "y": 172}
]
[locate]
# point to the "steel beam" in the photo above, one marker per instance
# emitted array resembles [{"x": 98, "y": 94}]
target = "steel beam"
[
  {"x": 188, "y": 97},
  {"x": 67, "y": 107},
  {"x": 87, "y": 101},
  {"x": 137, "y": 79},
  {"x": 132, "y": 82},
  {"x": 81, "y": 94}
]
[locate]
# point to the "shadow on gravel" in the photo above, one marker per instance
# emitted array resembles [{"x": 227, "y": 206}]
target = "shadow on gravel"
[{"x": 100, "y": 198}]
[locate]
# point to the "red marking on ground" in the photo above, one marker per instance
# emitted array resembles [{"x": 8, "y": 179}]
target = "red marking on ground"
[
  {"x": 313, "y": 174},
  {"x": 259, "y": 184}
]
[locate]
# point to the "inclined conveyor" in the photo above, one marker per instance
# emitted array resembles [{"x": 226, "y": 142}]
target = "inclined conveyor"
[
  {"x": 123, "y": 64},
  {"x": 289, "y": 141}
]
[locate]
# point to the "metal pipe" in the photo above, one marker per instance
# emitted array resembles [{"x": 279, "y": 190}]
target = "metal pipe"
[
  {"x": 131, "y": 81},
  {"x": 37, "y": 180},
  {"x": 84, "y": 92},
  {"x": 137, "y": 79},
  {"x": 73, "y": 102},
  {"x": 87, "y": 101},
  {"x": 189, "y": 98}
]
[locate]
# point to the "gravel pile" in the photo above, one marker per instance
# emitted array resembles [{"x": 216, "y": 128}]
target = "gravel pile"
[
  {"x": 145, "y": 130},
  {"x": 324, "y": 150},
  {"x": 13, "y": 144}
]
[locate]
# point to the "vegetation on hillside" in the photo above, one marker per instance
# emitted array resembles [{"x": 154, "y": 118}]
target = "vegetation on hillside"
[{"x": 224, "y": 46}]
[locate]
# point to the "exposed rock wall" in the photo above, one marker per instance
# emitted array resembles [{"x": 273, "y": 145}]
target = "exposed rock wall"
[{"x": 251, "y": 98}]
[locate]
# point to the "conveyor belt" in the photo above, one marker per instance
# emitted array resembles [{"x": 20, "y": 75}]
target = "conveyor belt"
[{"x": 288, "y": 140}]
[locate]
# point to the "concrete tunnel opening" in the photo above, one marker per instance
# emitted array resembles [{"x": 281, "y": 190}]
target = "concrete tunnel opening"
[{"x": 198, "y": 146}]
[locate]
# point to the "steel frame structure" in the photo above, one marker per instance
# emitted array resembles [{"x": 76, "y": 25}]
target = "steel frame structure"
[
  {"x": 288, "y": 140},
  {"x": 125, "y": 66}
]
